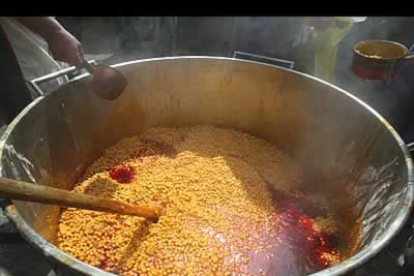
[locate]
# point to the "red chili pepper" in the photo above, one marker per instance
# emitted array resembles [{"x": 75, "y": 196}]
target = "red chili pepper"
[
  {"x": 122, "y": 174},
  {"x": 295, "y": 229}
]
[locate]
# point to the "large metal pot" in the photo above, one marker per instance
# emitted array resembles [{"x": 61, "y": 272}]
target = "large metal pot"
[{"x": 342, "y": 143}]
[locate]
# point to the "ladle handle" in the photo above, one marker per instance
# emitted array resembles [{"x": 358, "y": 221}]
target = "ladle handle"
[
  {"x": 89, "y": 67},
  {"x": 18, "y": 190},
  {"x": 37, "y": 81}
]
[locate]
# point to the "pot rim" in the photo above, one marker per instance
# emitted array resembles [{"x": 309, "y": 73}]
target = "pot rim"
[
  {"x": 382, "y": 58},
  {"x": 350, "y": 264}
]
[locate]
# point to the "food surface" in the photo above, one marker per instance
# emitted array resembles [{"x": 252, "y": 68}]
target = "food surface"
[{"x": 232, "y": 203}]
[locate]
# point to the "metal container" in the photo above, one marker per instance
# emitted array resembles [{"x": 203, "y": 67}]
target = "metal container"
[
  {"x": 341, "y": 142},
  {"x": 379, "y": 59}
]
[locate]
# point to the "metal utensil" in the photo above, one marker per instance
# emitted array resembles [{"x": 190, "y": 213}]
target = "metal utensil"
[
  {"x": 330, "y": 132},
  {"x": 377, "y": 60},
  {"x": 107, "y": 82}
]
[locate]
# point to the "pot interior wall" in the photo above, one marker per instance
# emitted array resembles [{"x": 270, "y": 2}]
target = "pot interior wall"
[{"x": 343, "y": 146}]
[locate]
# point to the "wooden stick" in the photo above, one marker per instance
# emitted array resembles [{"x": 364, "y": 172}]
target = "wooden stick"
[{"x": 18, "y": 190}]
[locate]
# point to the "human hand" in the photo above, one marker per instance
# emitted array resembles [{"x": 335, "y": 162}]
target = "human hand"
[{"x": 65, "y": 47}]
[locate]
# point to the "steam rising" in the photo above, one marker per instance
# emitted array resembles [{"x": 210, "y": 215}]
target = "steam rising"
[{"x": 117, "y": 39}]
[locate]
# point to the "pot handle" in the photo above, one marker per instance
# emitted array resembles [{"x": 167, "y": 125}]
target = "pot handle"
[
  {"x": 264, "y": 59},
  {"x": 36, "y": 82},
  {"x": 408, "y": 266},
  {"x": 9, "y": 233}
]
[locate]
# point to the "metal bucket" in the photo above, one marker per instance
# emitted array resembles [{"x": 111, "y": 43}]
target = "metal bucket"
[{"x": 341, "y": 143}]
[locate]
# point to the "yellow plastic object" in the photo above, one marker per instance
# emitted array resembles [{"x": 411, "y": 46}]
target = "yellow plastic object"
[
  {"x": 326, "y": 47},
  {"x": 323, "y": 35}
]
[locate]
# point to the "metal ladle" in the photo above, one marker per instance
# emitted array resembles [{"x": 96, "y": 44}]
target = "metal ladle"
[{"x": 107, "y": 82}]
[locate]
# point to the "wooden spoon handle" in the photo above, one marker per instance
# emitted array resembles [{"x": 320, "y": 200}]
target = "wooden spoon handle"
[{"x": 18, "y": 190}]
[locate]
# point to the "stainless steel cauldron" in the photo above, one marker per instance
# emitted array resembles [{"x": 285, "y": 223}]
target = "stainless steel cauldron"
[{"x": 343, "y": 144}]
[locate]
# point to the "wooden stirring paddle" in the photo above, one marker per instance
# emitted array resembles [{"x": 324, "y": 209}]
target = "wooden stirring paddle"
[{"x": 18, "y": 190}]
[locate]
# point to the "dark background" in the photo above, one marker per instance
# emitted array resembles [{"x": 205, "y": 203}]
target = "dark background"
[{"x": 129, "y": 38}]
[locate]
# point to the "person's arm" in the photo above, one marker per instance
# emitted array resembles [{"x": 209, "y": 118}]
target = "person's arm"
[{"x": 64, "y": 46}]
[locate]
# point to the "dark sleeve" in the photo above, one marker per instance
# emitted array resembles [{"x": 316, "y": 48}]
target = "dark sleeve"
[{"x": 14, "y": 93}]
